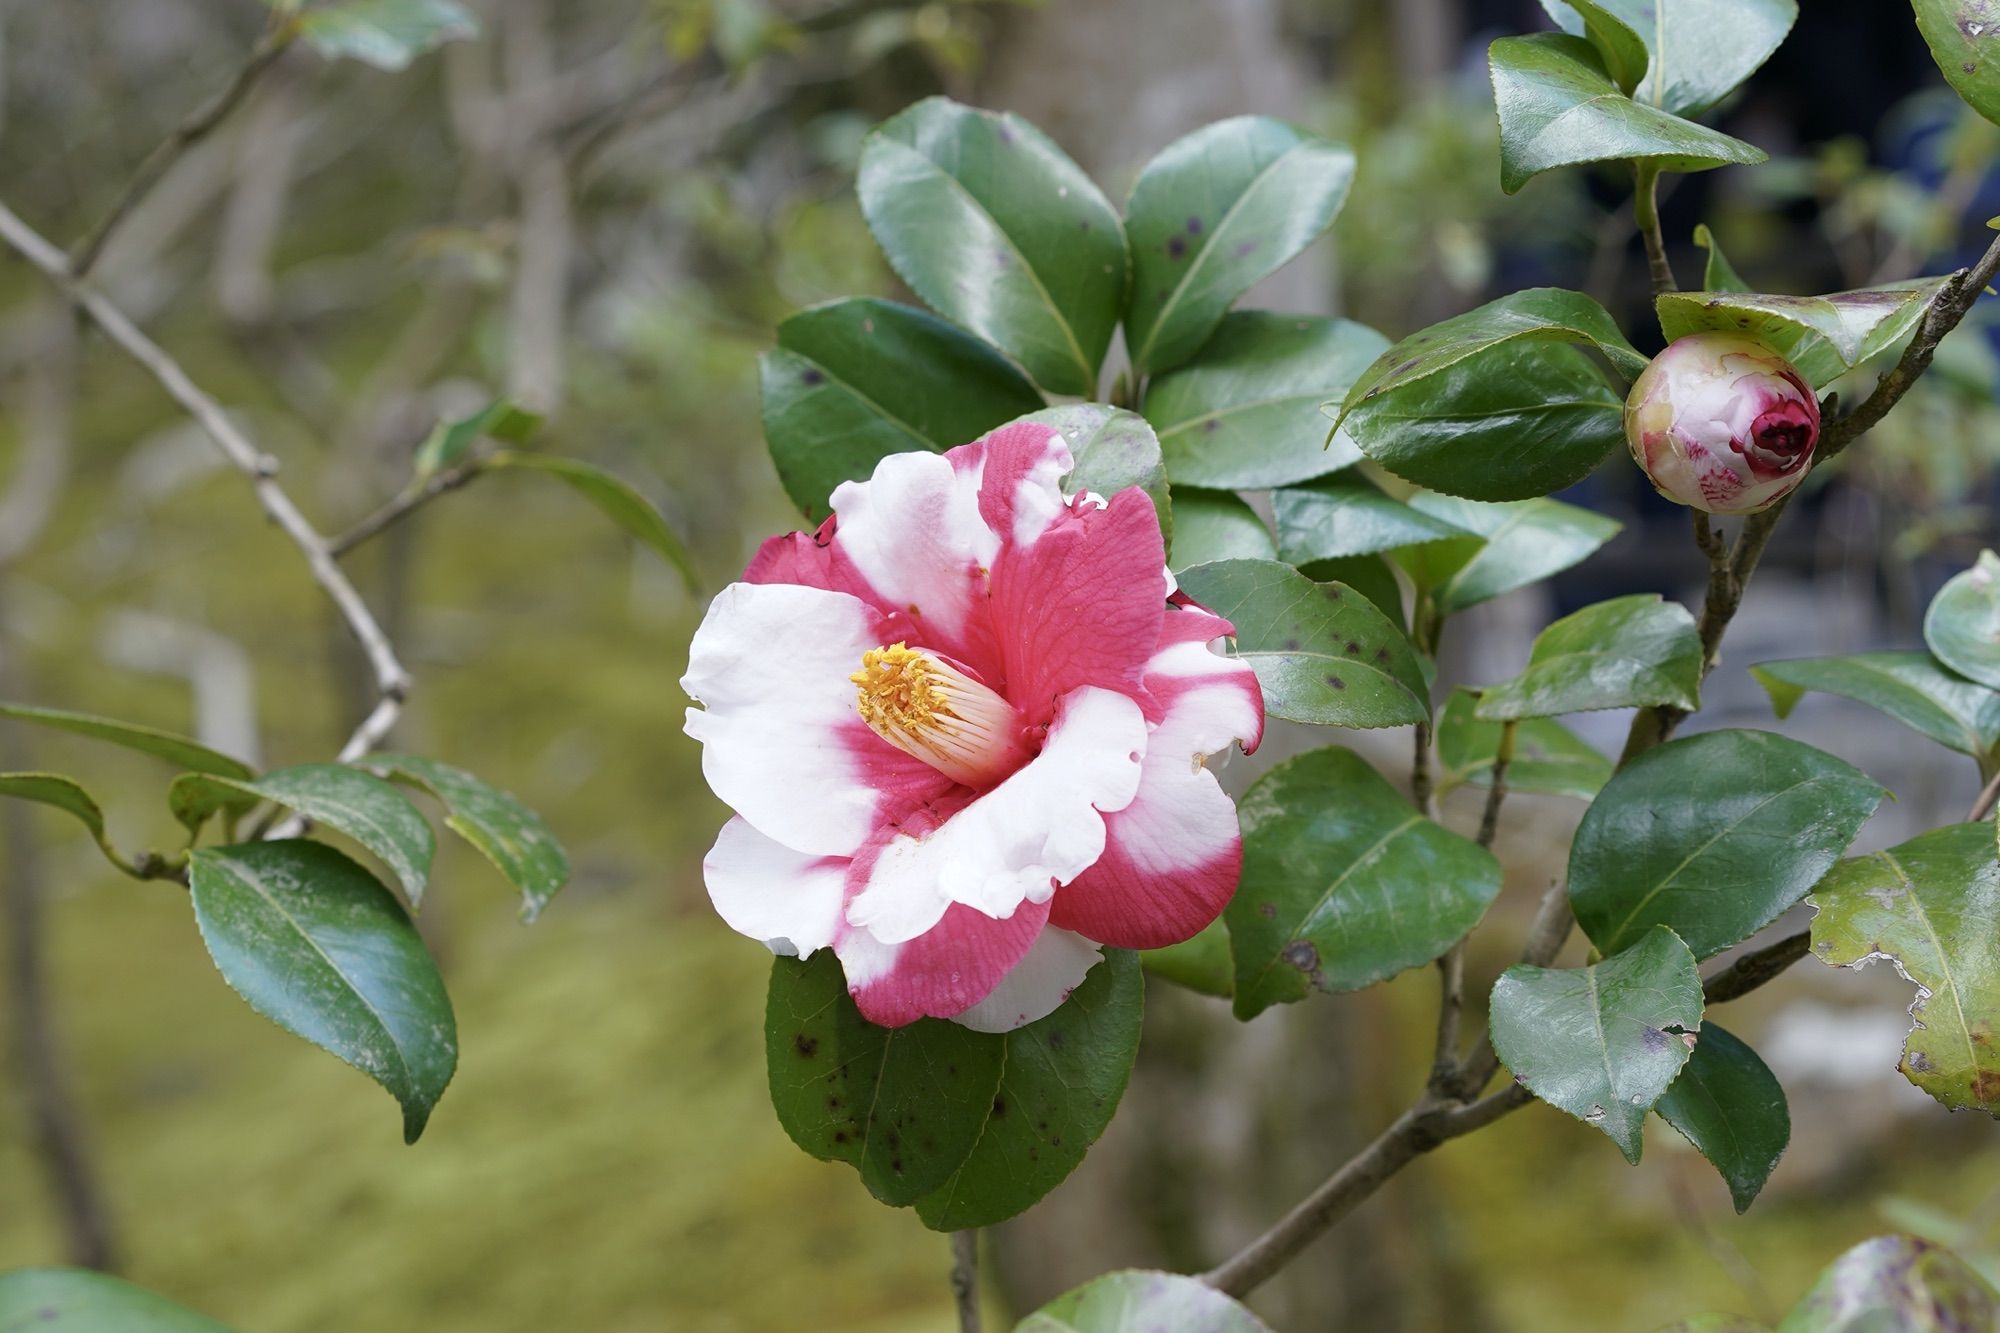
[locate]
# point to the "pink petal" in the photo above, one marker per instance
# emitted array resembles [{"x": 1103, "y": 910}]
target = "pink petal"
[
  {"x": 941, "y": 973},
  {"x": 1020, "y": 490},
  {"x": 764, "y": 889}
]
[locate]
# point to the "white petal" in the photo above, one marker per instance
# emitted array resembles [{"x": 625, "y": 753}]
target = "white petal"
[
  {"x": 771, "y": 662},
  {"x": 764, "y": 889},
  {"x": 1041, "y": 981},
  {"x": 913, "y": 530},
  {"x": 1040, "y": 828}
]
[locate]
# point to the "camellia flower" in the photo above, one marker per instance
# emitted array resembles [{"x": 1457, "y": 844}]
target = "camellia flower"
[
  {"x": 1723, "y": 423},
  {"x": 963, "y": 728}
]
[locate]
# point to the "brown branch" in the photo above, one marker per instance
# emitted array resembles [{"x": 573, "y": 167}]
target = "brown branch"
[
  {"x": 1646, "y": 212},
  {"x": 391, "y": 681},
  {"x": 965, "y": 1279},
  {"x": 1503, "y": 759},
  {"x": 392, "y": 511},
  {"x": 1988, "y": 798},
  {"x": 1757, "y": 968},
  {"x": 199, "y": 124}
]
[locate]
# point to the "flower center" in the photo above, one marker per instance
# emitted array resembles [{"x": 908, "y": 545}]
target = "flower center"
[{"x": 926, "y": 707}]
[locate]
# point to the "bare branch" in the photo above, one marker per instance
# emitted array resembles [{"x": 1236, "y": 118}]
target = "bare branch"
[
  {"x": 1757, "y": 968},
  {"x": 391, "y": 681},
  {"x": 1987, "y": 799},
  {"x": 1503, "y": 759},
  {"x": 965, "y": 1279},
  {"x": 395, "y": 509},
  {"x": 1646, "y": 212}
]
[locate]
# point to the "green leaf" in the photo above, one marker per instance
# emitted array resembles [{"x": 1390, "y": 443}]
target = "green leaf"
[
  {"x": 1965, "y": 41},
  {"x": 1697, "y": 51},
  {"x": 1062, "y": 1080},
  {"x": 76, "y": 1300},
  {"x": 1963, "y": 623},
  {"x": 1213, "y": 214},
  {"x": 1559, "y": 108},
  {"x": 1245, "y": 413},
  {"x": 616, "y": 500},
  {"x": 1909, "y": 686},
  {"x": 1113, "y": 449},
  {"x": 388, "y": 34},
  {"x": 1728, "y": 1104},
  {"x": 315, "y": 944},
  {"x": 1931, "y": 906},
  {"x": 449, "y": 440},
  {"x": 177, "y": 750},
  {"x": 1216, "y": 525},
  {"x": 1523, "y": 543},
  {"x": 1349, "y": 515},
  {"x": 1604, "y": 1042},
  {"x": 1369, "y": 575},
  {"x": 1719, "y": 275},
  {"x": 1324, "y": 653},
  {"x": 903, "y": 1106},
  {"x": 1823, "y": 336},
  {"x": 510, "y": 835},
  {"x": 1135, "y": 1301},
  {"x": 1896, "y": 1284},
  {"x": 1713, "y": 835},
  {"x": 854, "y": 381},
  {"x": 1622, "y": 49},
  {"x": 1499, "y": 403},
  {"x": 1201, "y": 964},
  {"x": 362, "y": 806},
  {"x": 1630, "y": 652},
  {"x": 997, "y": 230},
  {"x": 64, "y": 794},
  {"x": 1549, "y": 758},
  {"x": 1344, "y": 885}
]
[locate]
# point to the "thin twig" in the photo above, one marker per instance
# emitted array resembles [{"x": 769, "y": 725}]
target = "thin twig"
[
  {"x": 199, "y": 124},
  {"x": 392, "y": 511},
  {"x": 1988, "y": 798},
  {"x": 391, "y": 681},
  {"x": 1503, "y": 759},
  {"x": 1646, "y": 212},
  {"x": 1757, "y": 968},
  {"x": 965, "y": 1279}
]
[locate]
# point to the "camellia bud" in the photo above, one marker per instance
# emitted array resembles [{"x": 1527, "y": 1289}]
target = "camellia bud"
[{"x": 1723, "y": 423}]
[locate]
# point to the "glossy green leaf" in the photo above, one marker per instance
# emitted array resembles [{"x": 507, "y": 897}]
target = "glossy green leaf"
[
  {"x": 1729, "y": 1105},
  {"x": 364, "y": 807},
  {"x": 1217, "y": 525},
  {"x": 1932, "y": 905},
  {"x": 1823, "y": 336},
  {"x": 1964, "y": 37},
  {"x": 315, "y": 944},
  {"x": 1549, "y": 758},
  {"x": 1963, "y": 623},
  {"x": 77, "y": 1300},
  {"x": 853, "y": 381},
  {"x": 1211, "y": 215},
  {"x": 1517, "y": 544},
  {"x": 1369, "y": 575},
  {"x": 997, "y": 230},
  {"x": 64, "y": 794},
  {"x": 1113, "y": 449},
  {"x": 449, "y": 440},
  {"x": 1323, "y": 652},
  {"x": 903, "y": 1106},
  {"x": 1559, "y": 107},
  {"x": 1630, "y": 652},
  {"x": 1201, "y": 964},
  {"x": 1697, "y": 52},
  {"x": 1245, "y": 413},
  {"x": 1135, "y": 1301},
  {"x": 1500, "y": 403},
  {"x": 1349, "y": 515},
  {"x": 616, "y": 500},
  {"x": 1897, "y": 1284},
  {"x": 1909, "y": 686},
  {"x": 1061, "y": 1081},
  {"x": 1713, "y": 835},
  {"x": 514, "y": 838},
  {"x": 176, "y": 750},
  {"x": 1718, "y": 274},
  {"x": 1603, "y": 1042},
  {"x": 388, "y": 34},
  {"x": 1622, "y": 49},
  {"x": 1344, "y": 885}
]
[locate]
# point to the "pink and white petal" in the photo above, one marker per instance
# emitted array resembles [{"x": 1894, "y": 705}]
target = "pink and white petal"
[
  {"x": 761, "y": 888},
  {"x": 941, "y": 973},
  {"x": 1081, "y": 604},
  {"x": 1040, "y": 828},
  {"x": 771, "y": 662},
  {"x": 1020, "y": 491},
  {"x": 1216, "y": 696},
  {"x": 1039, "y": 982},
  {"x": 913, "y": 533}
]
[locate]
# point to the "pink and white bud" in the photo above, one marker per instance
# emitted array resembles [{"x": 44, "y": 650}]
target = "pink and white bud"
[{"x": 1723, "y": 423}]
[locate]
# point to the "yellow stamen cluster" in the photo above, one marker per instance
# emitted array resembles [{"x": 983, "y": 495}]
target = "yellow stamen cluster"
[{"x": 927, "y": 707}]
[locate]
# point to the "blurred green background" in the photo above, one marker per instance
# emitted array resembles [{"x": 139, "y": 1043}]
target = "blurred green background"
[{"x": 601, "y": 207}]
